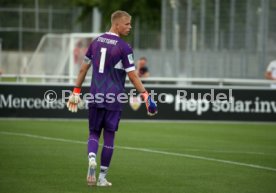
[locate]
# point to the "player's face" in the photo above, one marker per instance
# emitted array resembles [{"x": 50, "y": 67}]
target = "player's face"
[{"x": 124, "y": 26}]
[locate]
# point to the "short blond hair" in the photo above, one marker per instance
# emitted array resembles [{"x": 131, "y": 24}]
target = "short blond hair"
[{"x": 118, "y": 14}]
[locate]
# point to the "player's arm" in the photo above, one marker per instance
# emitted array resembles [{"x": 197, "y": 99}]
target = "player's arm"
[
  {"x": 135, "y": 80},
  {"x": 82, "y": 73},
  {"x": 150, "y": 104},
  {"x": 74, "y": 98}
]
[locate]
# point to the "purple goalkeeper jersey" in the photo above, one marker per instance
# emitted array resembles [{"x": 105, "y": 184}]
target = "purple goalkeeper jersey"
[{"x": 111, "y": 58}]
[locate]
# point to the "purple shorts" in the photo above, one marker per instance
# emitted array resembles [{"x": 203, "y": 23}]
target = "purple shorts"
[{"x": 101, "y": 118}]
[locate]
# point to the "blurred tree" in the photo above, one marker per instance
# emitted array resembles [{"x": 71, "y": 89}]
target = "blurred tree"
[
  {"x": 147, "y": 11},
  {"x": 31, "y": 3}
]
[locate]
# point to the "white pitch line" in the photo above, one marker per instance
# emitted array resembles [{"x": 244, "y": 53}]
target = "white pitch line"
[
  {"x": 144, "y": 150},
  {"x": 227, "y": 152},
  {"x": 200, "y": 157}
]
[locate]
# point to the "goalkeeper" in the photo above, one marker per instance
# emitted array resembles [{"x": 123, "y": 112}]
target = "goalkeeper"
[{"x": 112, "y": 60}]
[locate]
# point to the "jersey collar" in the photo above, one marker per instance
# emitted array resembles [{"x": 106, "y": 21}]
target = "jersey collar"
[{"x": 111, "y": 33}]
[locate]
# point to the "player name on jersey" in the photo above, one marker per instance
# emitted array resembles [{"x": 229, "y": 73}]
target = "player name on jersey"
[{"x": 107, "y": 41}]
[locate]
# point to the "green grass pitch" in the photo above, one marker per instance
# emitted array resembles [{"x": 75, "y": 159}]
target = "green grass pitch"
[{"x": 150, "y": 157}]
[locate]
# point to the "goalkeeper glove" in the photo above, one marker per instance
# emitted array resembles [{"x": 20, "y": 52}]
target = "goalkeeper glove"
[
  {"x": 150, "y": 104},
  {"x": 74, "y": 100}
]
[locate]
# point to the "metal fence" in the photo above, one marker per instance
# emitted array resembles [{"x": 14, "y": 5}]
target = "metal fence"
[
  {"x": 213, "y": 38},
  {"x": 197, "y": 38},
  {"x": 23, "y": 27}
]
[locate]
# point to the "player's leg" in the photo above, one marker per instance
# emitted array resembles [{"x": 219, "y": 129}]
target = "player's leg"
[
  {"x": 111, "y": 123},
  {"x": 95, "y": 127},
  {"x": 93, "y": 144},
  {"x": 106, "y": 156}
]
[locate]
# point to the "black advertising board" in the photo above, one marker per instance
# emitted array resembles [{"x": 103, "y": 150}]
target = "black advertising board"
[{"x": 39, "y": 101}]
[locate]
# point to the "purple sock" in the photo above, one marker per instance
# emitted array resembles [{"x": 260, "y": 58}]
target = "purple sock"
[
  {"x": 93, "y": 142},
  {"x": 107, "y": 148}
]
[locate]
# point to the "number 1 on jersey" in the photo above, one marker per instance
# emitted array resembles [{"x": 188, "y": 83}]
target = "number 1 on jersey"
[{"x": 102, "y": 60}]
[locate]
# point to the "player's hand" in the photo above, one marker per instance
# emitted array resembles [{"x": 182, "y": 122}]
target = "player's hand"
[
  {"x": 150, "y": 104},
  {"x": 74, "y": 100}
]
